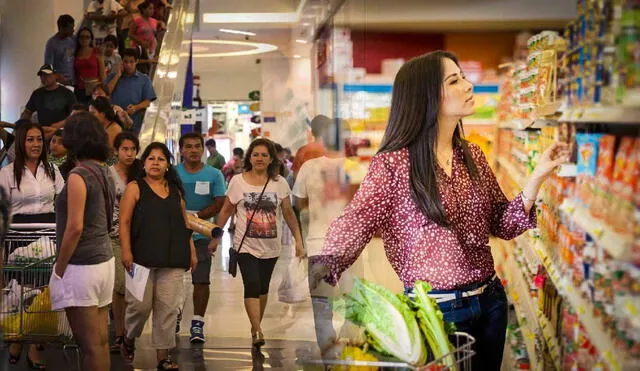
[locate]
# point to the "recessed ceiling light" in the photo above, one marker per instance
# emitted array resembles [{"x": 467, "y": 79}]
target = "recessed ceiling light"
[
  {"x": 247, "y": 33},
  {"x": 296, "y": 56},
  {"x": 249, "y": 17},
  {"x": 254, "y": 48},
  {"x": 300, "y": 41}
]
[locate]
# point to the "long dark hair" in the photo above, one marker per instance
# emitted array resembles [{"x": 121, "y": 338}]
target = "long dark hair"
[
  {"x": 413, "y": 124},
  {"x": 272, "y": 169},
  {"x": 78, "y": 39},
  {"x": 103, "y": 105},
  {"x": 135, "y": 170},
  {"x": 171, "y": 175},
  {"x": 20, "y": 133}
]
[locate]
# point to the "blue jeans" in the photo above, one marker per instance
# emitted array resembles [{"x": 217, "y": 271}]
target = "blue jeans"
[{"x": 482, "y": 316}]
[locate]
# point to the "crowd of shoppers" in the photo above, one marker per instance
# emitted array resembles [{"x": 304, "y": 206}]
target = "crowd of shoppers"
[{"x": 110, "y": 57}]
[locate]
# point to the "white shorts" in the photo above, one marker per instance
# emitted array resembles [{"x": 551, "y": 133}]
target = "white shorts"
[{"x": 83, "y": 286}]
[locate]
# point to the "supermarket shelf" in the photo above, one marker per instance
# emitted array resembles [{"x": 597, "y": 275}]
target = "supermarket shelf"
[
  {"x": 512, "y": 172},
  {"x": 616, "y": 360},
  {"x": 613, "y": 114},
  {"x": 551, "y": 339},
  {"x": 523, "y": 306},
  {"x": 519, "y": 124},
  {"x": 618, "y": 246}
]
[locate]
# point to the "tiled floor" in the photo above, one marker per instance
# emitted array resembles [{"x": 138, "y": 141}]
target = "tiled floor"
[{"x": 289, "y": 329}]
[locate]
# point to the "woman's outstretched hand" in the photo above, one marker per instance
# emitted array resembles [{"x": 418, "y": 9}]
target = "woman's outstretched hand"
[{"x": 554, "y": 156}]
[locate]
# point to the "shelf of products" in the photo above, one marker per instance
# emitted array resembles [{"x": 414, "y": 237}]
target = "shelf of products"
[
  {"x": 581, "y": 88},
  {"x": 617, "y": 245},
  {"x": 522, "y": 302},
  {"x": 602, "y": 340}
]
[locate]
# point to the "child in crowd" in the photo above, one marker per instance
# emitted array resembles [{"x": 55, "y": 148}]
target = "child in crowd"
[
  {"x": 57, "y": 151},
  {"x": 112, "y": 59}
]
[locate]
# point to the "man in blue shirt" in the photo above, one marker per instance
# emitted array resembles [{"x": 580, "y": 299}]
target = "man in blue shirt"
[
  {"x": 131, "y": 89},
  {"x": 204, "y": 189},
  {"x": 60, "y": 50}
]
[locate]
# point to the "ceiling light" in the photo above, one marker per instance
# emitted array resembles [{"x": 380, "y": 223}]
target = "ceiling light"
[
  {"x": 249, "y": 17},
  {"x": 247, "y": 33},
  {"x": 254, "y": 48},
  {"x": 300, "y": 41},
  {"x": 296, "y": 56}
]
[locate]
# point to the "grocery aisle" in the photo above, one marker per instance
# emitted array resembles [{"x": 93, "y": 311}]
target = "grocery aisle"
[{"x": 575, "y": 280}]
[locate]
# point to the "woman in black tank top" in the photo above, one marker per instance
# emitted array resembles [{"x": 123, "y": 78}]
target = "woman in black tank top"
[{"x": 154, "y": 234}]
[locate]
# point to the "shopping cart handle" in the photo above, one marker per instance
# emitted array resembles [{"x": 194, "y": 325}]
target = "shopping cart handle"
[{"x": 31, "y": 226}]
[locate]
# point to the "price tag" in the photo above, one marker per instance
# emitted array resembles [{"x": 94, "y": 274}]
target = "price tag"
[
  {"x": 581, "y": 310},
  {"x": 633, "y": 311}
]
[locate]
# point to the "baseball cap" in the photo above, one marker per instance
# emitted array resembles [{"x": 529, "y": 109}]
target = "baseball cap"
[{"x": 46, "y": 69}]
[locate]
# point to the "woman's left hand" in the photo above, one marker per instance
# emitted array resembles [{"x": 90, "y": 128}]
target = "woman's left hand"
[
  {"x": 213, "y": 246},
  {"x": 300, "y": 253},
  {"x": 194, "y": 262},
  {"x": 554, "y": 156},
  {"x": 59, "y": 269}
]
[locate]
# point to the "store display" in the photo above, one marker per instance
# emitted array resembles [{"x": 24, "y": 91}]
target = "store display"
[{"x": 584, "y": 257}]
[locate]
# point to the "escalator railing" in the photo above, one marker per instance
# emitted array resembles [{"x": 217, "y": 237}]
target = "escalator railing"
[{"x": 169, "y": 77}]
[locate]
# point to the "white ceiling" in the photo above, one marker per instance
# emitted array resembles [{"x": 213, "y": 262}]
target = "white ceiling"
[{"x": 389, "y": 15}]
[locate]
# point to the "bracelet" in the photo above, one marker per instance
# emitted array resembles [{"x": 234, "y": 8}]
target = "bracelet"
[{"x": 527, "y": 199}]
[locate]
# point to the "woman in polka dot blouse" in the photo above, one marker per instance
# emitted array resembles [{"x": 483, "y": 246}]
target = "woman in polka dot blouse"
[{"x": 435, "y": 200}]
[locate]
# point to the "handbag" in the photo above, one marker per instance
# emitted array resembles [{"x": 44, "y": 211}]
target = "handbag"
[{"x": 233, "y": 253}]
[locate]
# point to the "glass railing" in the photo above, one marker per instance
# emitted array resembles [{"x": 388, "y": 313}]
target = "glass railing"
[{"x": 169, "y": 75}]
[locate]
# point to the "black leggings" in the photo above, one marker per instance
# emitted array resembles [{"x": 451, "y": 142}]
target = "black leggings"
[{"x": 256, "y": 274}]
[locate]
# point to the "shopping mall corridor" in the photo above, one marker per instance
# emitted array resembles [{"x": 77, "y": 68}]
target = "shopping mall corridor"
[{"x": 289, "y": 329}]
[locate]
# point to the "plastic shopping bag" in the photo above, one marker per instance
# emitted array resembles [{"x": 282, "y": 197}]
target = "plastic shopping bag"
[
  {"x": 294, "y": 287},
  {"x": 38, "y": 319},
  {"x": 11, "y": 301},
  {"x": 43, "y": 248}
]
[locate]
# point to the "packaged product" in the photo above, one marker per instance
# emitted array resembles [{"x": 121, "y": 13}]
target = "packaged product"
[
  {"x": 604, "y": 173},
  {"x": 587, "y": 164},
  {"x": 623, "y": 156},
  {"x": 625, "y": 175}
]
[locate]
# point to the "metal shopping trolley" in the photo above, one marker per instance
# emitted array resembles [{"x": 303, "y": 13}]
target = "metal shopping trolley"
[
  {"x": 463, "y": 353},
  {"x": 25, "y": 309}
]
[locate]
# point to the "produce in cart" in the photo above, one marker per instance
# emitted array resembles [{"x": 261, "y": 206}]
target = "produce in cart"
[
  {"x": 395, "y": 326},
  {"x": 432, "y": 324}
]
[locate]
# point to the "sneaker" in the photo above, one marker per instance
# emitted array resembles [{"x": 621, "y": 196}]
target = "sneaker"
[
  {"x": 197, "y": 332},
  {"x": 178, "y": 321}
]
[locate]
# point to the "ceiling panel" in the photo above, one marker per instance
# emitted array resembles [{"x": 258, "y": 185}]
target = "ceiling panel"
[{"x": 248, "y": 6}]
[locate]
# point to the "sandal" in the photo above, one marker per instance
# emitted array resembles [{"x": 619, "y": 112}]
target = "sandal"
[
  {"x": 117, "y": 344},
  {"x": 14, "y": 358},
  {"x": 167, "y": 364},
  {"x": 127, "y": 350}
]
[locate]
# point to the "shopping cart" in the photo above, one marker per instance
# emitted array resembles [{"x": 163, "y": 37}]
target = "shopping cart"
[
  {"x": 25, "y": 309},
  {"x": 463, "y": 353}
]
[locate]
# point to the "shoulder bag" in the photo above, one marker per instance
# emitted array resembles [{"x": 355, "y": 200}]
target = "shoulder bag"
[{"x": 233, "y": 253}]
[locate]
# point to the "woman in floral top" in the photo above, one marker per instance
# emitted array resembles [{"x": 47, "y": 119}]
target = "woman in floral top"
[{"x": 435, "y": 200}]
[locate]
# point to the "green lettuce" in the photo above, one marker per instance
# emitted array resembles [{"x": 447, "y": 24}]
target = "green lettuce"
[{"x": 389, "y": 322}]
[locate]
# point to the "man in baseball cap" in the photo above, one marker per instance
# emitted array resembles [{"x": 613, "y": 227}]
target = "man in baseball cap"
[
  {"x": 52, "y": 102},
  {"x": 46, "y": 69}
]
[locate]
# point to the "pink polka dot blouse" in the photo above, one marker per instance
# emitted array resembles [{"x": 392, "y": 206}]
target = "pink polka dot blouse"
[{"x": 418, "y": 248}]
